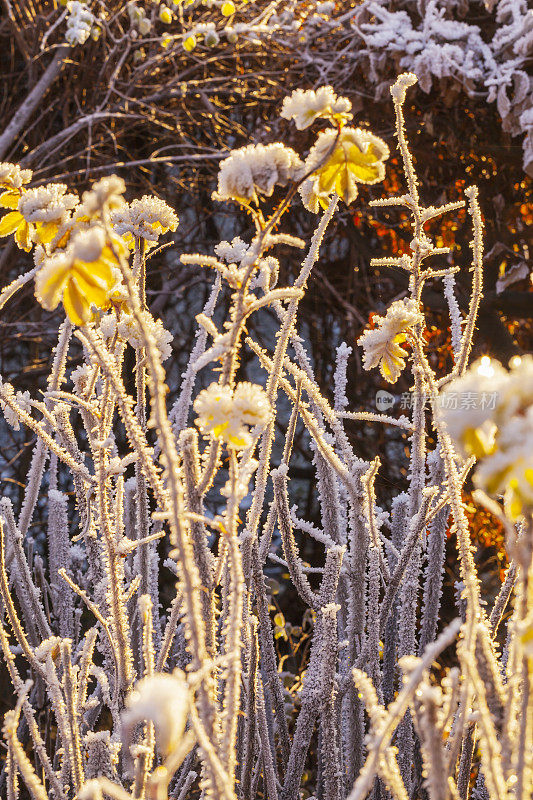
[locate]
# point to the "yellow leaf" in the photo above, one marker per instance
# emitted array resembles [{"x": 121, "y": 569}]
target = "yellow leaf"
[
  {"x": 9, "y": 200},
  {"x": 357, "y": 158},
  {"x": 92, "y": 291},
  {"x": 50, "y": 283},
  {"x": 46, "y": 231},
  {"x": 76, "y": 305},
  {"x": 23, "y": 235},
  {"x": 97, "y": 273},
  {"x": 10, "y": 223}
]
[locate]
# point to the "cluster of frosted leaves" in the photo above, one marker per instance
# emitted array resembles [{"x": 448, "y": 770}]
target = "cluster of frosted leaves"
[
  {"x": 146, "y": 219},
  {"x": 200, "y": 23},
  {"x": 127, "y": 327},
  {"x": 382, "y": 345},
  {"x": 255, "y": 170},
  {"x": 488, "y": 413},
  {"x": 228, "y": 414},
  {"x": 437, "y": 44},
  {"x": 280, "y": 21},
  {"x": 81, "y": 23},
  {"x": 77, "y": 258},
  {"x": 305, "y": 106},
  {"x": 341, "y": 157}
]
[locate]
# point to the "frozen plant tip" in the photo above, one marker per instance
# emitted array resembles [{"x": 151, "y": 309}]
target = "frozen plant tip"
[{"x": 382, "y": 346}]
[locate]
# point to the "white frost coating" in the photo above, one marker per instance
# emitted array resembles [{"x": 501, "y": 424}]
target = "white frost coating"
[
  {"x": 128, "y": 329},
  {"x": 20, "y": 399},
  {"x": 304, "y": 107},
  {"x": 12, "y": 176},
  {"x": 228, "y": 414},
  {"x": 256, "y": 169},
  {"x": 456, "y": 319},
  {"x": 340, "y": 378},
  {"x": 47, "y": 203},
  {"x": 79, "y": 22},
  {"x": 147, "y": 218},
  {"x": 107, "y": 191},
  {"x": 233, "y": 252},
  {"x": 431, "y": 42}
]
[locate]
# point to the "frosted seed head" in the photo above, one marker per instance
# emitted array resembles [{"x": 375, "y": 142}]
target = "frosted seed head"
[
  {"x": 164, "y": 700},
  {"x": 146, "y": 218}
]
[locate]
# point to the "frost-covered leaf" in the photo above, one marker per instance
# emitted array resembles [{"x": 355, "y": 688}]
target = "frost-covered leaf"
[{"x": 343, "y": 160}]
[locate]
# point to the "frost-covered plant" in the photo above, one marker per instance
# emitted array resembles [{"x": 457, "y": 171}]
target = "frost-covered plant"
[
  {"x": 192, "y": 23},
  {"x": 149, "y": 700},
  {"x": 432, "y": 40}
]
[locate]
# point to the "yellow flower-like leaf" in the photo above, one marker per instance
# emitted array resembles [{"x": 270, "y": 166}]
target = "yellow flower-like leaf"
[
  {"x": 189, "y": 43},
  {"x": 23, "y": 236},
  {"x": 82, "y": 276},
  {"x": 392, "y": 360},
  {"x": 228, "y": 8},
  {"x": 343, "y": 160},
  {"x": 10, "y": 223},
  {"x": 15, "y": 223},
  {"x": 9, "y": 200},
  {"x": 350, "y": 163},
  {"x": 45, "y": 231},
  {"x": 382, "y": 345}
]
